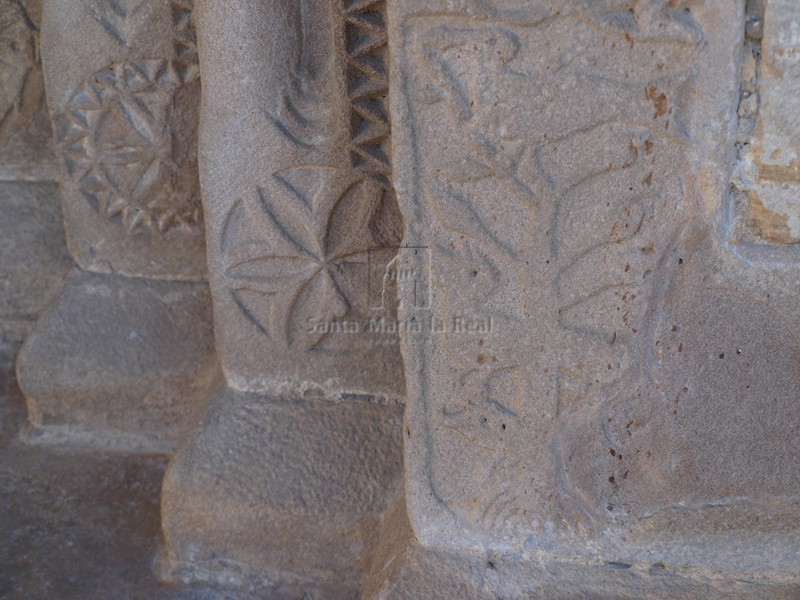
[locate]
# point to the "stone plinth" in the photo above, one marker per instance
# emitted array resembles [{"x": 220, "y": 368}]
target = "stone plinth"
[
  {"x": 118, "y": 362},
  {"x": 289, "y": 490},
  {"x": 406, "y": 569}
]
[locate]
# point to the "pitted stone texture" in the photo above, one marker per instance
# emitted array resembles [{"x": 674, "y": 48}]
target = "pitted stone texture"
[
  {"x": 123, "y": 90},
  {"x": 565, "y": 164},
  {"x": 26, "y": 149},
  {"x": 281, "y": 489},
  {"x": 33, "y": 256},
  {"x": 302, "y": 219},
  {"x": 406, "y": 570},
  {"x": 118, "y": 362}
]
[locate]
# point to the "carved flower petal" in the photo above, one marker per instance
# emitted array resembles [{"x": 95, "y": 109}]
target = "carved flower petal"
[
  {"x": 289, "y": 226},
  {"x": 348, "y": 230},
  {"x": 273, "y": 273},
  {"x": 317, "y": 302}
]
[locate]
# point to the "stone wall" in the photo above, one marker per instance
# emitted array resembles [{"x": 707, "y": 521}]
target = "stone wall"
[{"x": 501, "y": 294}]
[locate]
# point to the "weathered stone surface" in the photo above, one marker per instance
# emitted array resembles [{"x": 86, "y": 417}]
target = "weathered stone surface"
[
  {"x": 596, "y": 386},
  {"x": 283, "y": 489},
  {"x": 404, "y": 569},
  {"x": 302, "y": 219},
  {"x": 26, "y": 149},
  {"x": 118, "y": 362},
  {"x": 33, "y": 256},
  {"x": 767, "y": 209},
  {"x": 286, "y": 475},
  {"x": 123, "y": 90},
  {"x": 597, "y": 290}
]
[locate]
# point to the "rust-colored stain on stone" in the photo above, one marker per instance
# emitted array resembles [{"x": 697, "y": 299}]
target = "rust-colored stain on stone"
[
  {"x": 766, "y": 224},
  {"x": 660, "y": 100}
]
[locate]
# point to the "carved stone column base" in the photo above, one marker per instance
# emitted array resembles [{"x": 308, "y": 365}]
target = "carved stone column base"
[
  {"x": 404, "y": 569},
  {"x": 117, "y": 362},
  {"x": 281, "y": 492}
]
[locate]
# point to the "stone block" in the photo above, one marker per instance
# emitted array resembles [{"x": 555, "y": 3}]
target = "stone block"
[
  {"x": 302, "y": 218},
  {"x": 596, "y": 385},
  {"x": 118, "y": 362},
  {"x": 281, "y": 490},
  {"x": 123, "y": 90},
  {"x": 33, "y": 257}
]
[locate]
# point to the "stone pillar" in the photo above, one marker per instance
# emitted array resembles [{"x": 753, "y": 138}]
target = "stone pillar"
[
  {"x": 605, "y": 399},
  {"x": 119, "y": 356},
  {"x": 33, "y": 256},
  {"x": 295, "y": 172},
  {"x": 288, "y": 471}
]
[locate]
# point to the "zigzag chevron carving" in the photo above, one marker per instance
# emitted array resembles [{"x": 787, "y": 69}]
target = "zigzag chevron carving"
[{"x": 368, "y": 87}]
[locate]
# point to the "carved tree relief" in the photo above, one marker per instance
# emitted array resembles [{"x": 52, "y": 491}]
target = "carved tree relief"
[{"x": 566, "y": 249}]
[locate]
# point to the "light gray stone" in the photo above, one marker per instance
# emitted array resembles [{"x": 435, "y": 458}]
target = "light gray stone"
[
  {"x": 602, "y": 371},
  {"x": 123, "y": 90},
  {"x": 289, "y": 490},
  {"x": 595, "y": 295},
  {"x": 286, "y": 475},
  {"x": 118, "y": 362},
  {"x": 302, "y": 219}
]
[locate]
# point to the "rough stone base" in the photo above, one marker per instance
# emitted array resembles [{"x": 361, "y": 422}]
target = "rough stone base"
[
  {"x": 281, "y": 492},
  {"x": 33, "y": 258},
  {"x": 118, "y": 362},
  {"x": 403, "y": 569}
]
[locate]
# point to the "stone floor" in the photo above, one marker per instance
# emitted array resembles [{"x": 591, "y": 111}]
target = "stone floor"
[
  {"x": 74, "y": 524},
  {"x": 77, "y": 524}
]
